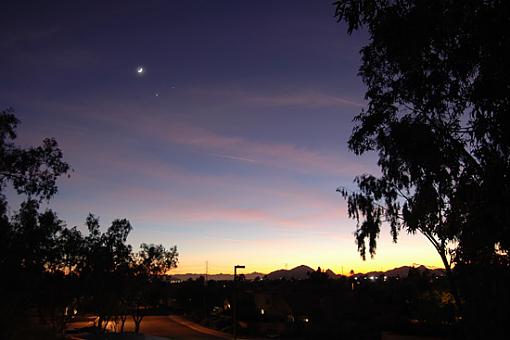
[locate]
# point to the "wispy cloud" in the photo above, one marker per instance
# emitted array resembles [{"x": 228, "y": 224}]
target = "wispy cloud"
[
  {"x": 242, "y": 159},
  {"x": 300, "y": 98},
  {"x": 214, "y": 215},
  {"x": 299, "y": 159},
  {"x": 307, "y": 99},
  {"x": 166, "y": 128}
]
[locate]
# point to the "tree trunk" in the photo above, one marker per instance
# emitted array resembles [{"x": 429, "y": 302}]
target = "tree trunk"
[
  {"x": 137, "y": 320},
  {"x": 106, "y": 321},
  {"x": 100, "y": 323},
  {"x": 122, "y": 322},
  {"x": 441, "y": 250},
  {"x": 451, "y": 281}
]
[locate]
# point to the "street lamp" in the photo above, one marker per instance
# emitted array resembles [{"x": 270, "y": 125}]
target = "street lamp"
[
  {"x": 234, "y": 312},
  {"x": 237, "y": 267}
]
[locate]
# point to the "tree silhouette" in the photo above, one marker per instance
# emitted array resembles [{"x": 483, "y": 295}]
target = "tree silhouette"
[
  {"x": 52, "y": 269},
  {"x": 437, "y": 76},
  {"x": 150, "y": 265},
  {"x": 318, "y": 275},
  {"x": 155, "y": 260},
  {"x": 29, "y": 241},
  {"x": 32, "y": 171},
  {"x": 106, "y": 260}
]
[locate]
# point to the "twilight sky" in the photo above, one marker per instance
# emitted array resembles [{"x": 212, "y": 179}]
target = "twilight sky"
[{"x": 231, "y": 143}]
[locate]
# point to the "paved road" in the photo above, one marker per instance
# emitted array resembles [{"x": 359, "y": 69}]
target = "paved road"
[
  {"x": 163, "y": 326},
  {"x": 166, "y": 327}
]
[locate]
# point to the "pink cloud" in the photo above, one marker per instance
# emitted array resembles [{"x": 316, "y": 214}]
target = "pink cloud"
[
  {"x": 301, "y": 98},
  {"x": 280, "y": 155},
  {"x": 321, "y": 218},
  {"x": 307, "y": 99},
  {"x": 164, "y": 126}
]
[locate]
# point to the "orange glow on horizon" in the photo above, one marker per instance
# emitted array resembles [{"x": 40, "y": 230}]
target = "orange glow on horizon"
[
  {"x": 389, "y": 256},
  {"x": 363, "y": 267}
]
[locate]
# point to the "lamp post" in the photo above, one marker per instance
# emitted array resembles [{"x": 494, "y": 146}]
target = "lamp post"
[{"x": 234, "y": 312}]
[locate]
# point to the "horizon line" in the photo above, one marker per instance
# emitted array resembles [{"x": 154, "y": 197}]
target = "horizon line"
[{"x": 414, "y": 265}]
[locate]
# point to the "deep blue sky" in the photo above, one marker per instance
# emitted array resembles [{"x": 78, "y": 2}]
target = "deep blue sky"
[{"x": 230, "y": 145}]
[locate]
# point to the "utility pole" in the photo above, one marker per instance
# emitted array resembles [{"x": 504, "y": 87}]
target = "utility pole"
[
  {"x": 206, "y": 312},
  {"x": 234, "y": 312}
]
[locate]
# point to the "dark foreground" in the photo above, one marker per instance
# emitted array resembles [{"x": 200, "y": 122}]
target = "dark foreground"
[{"x": 159, "y": 326}]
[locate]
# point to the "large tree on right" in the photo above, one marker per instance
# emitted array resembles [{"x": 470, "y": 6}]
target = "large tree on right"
[{"x": 438, "y": 91}]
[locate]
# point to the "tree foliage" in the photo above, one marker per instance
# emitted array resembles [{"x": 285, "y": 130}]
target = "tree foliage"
[
  {"x": 54, "y": 270},
  {"x": 438, "y": 91},
  {"x": 31, "y": 171},
  {"x": 155, "y": 260},
  {"x": 29, "y": 240},
  {"x": 438, "y": 80}
]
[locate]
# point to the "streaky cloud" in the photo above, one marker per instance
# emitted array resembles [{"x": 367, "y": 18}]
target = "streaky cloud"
[{"x": 242, "y": 159}]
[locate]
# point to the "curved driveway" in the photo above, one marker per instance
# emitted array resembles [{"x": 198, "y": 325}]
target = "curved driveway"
[
  {"x": 170, "y": 327},
  {"x": 173, "y": 328}
]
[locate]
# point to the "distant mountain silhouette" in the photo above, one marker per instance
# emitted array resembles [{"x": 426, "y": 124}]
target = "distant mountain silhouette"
[
  {"x": 298, "y": 273},
  {"x": 217, "y": 277},
  {"x": 403, "y": 271},
  {"x": 301, "y": 273},
  {"x": 331, "y": 274}
]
